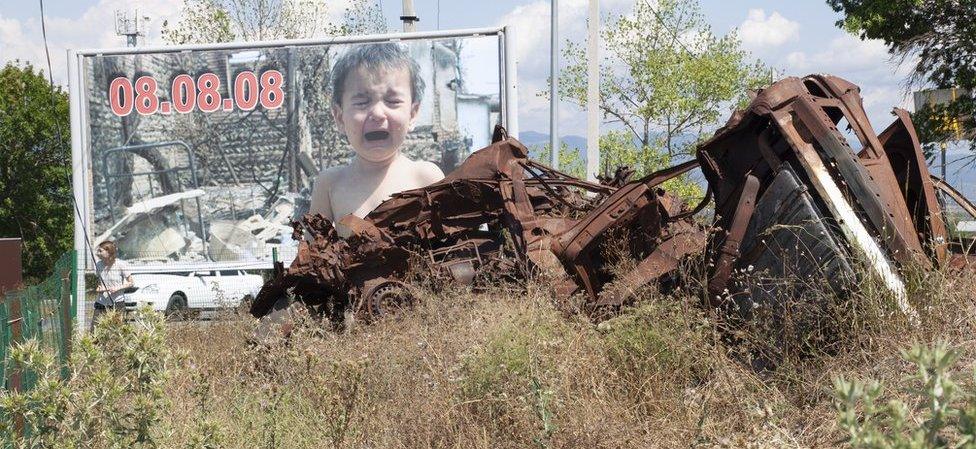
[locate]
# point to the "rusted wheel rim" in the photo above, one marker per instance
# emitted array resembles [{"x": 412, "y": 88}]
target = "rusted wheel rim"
[{"x": 387, "y": 297}]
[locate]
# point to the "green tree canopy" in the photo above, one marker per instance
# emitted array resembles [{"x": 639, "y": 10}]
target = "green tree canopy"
[
  {"x": 939, "y": 35},
  {"x": 664, "y": 75},
  {"x": 617, "y": 149},
  {"x": 35, "y": 167}
]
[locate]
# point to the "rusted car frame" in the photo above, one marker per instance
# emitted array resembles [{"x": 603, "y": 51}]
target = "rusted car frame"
[{"x": 499, "y": 214}]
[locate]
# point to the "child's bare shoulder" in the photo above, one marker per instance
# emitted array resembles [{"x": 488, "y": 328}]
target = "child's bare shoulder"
[
  {"x": 325, "y": 183},
  {"x": 427, "y": 172},
  {"x": 331, "y": 176}
]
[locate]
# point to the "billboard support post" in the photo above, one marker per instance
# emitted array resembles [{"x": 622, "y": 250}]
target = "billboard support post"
[
  {"x": 79, "y": 185},
  {"x": 510, "y": 85}
]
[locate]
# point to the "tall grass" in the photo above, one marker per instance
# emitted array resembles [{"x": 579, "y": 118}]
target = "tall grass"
[{"x": 496, "y": 370}]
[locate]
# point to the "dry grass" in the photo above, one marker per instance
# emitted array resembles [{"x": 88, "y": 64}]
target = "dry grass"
[{"x": 506, "y": 369}]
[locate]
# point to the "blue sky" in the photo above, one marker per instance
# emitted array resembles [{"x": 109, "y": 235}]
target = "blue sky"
[{"x": 795, "y": 38}]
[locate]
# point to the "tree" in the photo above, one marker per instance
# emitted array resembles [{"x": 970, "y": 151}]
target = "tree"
[
  {"x": 208, "y": 21},
  {"x": 617, "y": 149},
  {"x": 571, "y": 161},
  {"x": 941, "y": 34},
  {"x": 664, "y": 75},
  {"x": 35, "y": 167}
]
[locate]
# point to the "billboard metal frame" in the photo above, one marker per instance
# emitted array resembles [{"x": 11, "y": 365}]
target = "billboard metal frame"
[{"x": 81, "y": 159}]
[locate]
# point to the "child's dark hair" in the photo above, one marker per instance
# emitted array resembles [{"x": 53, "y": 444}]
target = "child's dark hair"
[{"x": 387, "y": 55}]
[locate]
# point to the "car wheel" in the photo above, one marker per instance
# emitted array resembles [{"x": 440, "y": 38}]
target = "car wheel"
[
  {"x": 176, "y": 308},
  {"x": 383, "y": 297}
]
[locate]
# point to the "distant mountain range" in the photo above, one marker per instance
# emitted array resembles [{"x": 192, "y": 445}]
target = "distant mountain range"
[
  {"x": 533, "y": 138},
  {"x": 960, "y": 174},
  {"x": 537, "y": 139}
]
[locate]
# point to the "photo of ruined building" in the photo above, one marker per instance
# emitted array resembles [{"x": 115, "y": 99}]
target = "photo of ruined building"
[{"x": 224, "y": 186}]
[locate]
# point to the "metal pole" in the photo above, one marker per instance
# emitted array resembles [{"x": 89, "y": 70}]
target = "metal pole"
[
  {"x": 593, "y": 92},
  {"x": 510, "y": 105},
  {"x": 553, "y": 85},
  {"x": 943, "y": 145},
  {"x": 79, "y": 183},
  {"x": 409, "y": 17},
  {"x": 291, "y": 139}
]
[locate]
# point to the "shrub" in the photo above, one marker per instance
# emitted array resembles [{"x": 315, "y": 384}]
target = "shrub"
[
  {"x": 947, "y": 414},
  {"x": 112, "y": 397}
]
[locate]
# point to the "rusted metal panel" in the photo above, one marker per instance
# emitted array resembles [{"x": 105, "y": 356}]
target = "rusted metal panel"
[
  {"x": 874, "y": 159},
  {"x": 912, "y": 176},
  {"x": 793, "y": 123},
  {"x": 887, "y": 214},
  {"x": 11, "y": 268},
  {"x": 637, "y": 205}
]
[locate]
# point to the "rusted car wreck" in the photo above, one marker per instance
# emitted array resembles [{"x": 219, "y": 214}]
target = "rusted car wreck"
[{"x": 792, "y": 199}]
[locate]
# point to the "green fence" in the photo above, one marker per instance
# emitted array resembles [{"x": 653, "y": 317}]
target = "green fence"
[{"x": 44, "y": 312}]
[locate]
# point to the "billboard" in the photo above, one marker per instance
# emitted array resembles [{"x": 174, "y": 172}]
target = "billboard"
[{"x": 199, "y": 157}]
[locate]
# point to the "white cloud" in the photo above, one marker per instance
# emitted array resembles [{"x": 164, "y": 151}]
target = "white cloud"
[
  {"x": 844, "y": 53},
  {"x": 862, "y": 62},
  {"x": 531, "y": 24},
  {"x": 14, "y": 44},
  {"x": 759, "y": 30},
  {"x": 95, "y": 28}
]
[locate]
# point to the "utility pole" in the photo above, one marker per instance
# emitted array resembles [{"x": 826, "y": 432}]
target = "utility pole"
[
  {"x": 132, "y": 27},
  {"x": 409, "y": 17},
  {"x": 553, "y": 85},
  {"x": 593, "y": 92}
]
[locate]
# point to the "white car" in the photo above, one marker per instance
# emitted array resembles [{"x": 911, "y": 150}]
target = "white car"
[{"x": 193, "y": 291}]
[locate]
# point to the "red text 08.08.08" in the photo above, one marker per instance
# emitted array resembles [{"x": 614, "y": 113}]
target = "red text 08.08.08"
[{"x": 202, "y": 94}]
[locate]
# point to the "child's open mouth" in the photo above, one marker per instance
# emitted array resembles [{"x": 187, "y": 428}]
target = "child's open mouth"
[{"x": 376, "y": 135}]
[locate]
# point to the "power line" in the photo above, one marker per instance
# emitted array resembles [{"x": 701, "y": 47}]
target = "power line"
[
  {"x": 50, "y": 73},
  {"x": 57, "y": 128}
]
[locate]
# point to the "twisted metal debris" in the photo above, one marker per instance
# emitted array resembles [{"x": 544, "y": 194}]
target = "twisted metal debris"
[{"x": 792, "y": 198}]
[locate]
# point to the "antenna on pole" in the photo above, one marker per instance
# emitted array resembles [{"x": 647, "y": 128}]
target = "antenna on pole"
[{"x": 131, "y": 26}]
